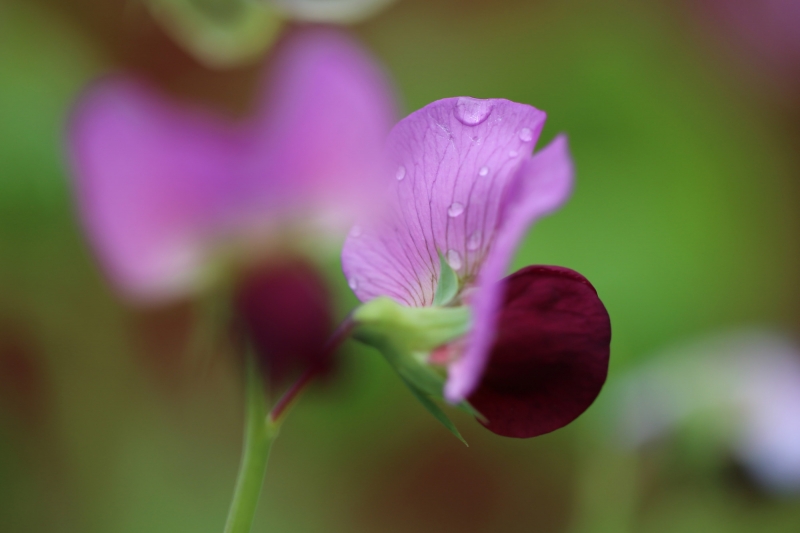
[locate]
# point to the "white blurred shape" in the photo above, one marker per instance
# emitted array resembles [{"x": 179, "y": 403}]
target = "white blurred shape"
[
  {"x": 338, "y": 11},
  {"x": 747, "y": 384}
]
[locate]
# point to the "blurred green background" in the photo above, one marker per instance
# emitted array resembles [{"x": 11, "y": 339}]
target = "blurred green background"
[{"x": 684, "y": 218}]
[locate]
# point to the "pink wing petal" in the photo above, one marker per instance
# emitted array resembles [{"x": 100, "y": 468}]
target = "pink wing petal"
[
  {"x": 542, "y": 185},
  {"x": 158, "y": 184},
  {"x": 318, "y": 143},
  {"x": 149, "y": 176},
  {"x": 454, "y": 161}
]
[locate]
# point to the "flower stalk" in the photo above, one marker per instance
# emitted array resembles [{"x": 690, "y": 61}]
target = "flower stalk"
[
  {"x": 261, "y": 430},
  {"x": 259, "y": 434}
]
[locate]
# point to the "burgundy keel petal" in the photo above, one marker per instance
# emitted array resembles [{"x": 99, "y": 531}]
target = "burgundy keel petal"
[
  {"x": 285, "y": 309},
  {"x": 550, "y": 356}
]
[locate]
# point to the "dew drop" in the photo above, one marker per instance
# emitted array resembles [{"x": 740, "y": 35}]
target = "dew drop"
[
  {"x": 525, "y": 135},
  {"x": 356, "y": 231},
  {"x": 513, "y": 153},
  {"x": 471, "y": 111},
  {"x": 455, "y": 209},
  {"x": 483, "y": 171},
  {"x": 474, "y": 241},
  {"x": 401, "y": 173},
  {"x": 353, "y": 283},
  {"x": 454, "y": 259}
]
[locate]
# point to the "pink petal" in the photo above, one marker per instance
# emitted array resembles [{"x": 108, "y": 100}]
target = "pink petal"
[
  {"x": 542, "y": 185},
  {"x": 160, "y": 184},
  {"x": 318, "y": 143},
  {"x": 454, "y": 161},
  {"x": 147, "y": 175}
]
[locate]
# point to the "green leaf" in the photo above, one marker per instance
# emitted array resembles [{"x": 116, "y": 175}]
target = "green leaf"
[
  {"x": 447, "y": 288},
  {"x": 466, "y": 407},
  {"x": 219, "y": 33},
  {"x": 435, "y": 410}
]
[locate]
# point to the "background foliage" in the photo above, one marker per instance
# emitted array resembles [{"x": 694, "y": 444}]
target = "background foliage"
[{"x": 684, "y": 218}]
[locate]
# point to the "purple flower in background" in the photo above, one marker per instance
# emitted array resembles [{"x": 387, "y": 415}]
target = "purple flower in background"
[
  {"x": 167, "y": 192},
  {"x": 172, "y": 196},
  {"x": 465, "y": 186},
  {"x": 744, "y": 387}
]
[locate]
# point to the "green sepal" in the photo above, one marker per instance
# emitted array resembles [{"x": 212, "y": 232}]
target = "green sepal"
[
  {"x": 467, "y": 407},
  {"x": 447, "y": 287},
  {"x": 405, "y": 336},
  {"x": 414, "y": 329},
  {"x": 431, "y": 406}
]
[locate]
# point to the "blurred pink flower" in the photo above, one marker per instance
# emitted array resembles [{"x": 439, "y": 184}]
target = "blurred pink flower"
[
  {"x": 745, "y": 384},
  {"x": 464, "y": 185},
  {"x": 166, "y": 192}
]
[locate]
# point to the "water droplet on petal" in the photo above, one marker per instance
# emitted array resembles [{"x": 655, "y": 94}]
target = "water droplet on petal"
[
  {"x": 401, "y": 173},
  {"x": 513, "y": 153},
  {"x": 356, "y": 231},
  {"x": 483, "y": 171},
  {"x": 455, "y": 209},
  {"x": 353, "y": 283},
  {"x": 474, "y": 241},
  {"x": 525, "y": 135},
  {"x": 471, "y": 111},
  {"x": 454, "y": 259}
]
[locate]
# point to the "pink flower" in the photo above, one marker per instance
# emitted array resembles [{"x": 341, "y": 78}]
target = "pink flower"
[
  {"x": 465, "y": 185},
  {"x": 168, "y": 192},
  {"x": 173, "y": 196}
]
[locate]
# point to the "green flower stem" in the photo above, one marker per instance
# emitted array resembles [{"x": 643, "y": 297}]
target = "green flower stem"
[
  {"x": 260, "y": 432},
  {"x": 261, "y": 429}
]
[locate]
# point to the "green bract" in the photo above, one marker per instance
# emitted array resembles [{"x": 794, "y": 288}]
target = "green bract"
[
  {"x": 406, "y": 336},
  {"x": 447, "y": 287}
]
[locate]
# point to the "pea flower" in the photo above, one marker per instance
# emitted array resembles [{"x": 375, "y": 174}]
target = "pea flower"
[
  {"x": 530, "y": 352},
  {"x": 174, "y": 198}
]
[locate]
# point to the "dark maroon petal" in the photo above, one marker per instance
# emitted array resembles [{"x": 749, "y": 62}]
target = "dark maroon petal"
[
  {"x": 550, "y": 357},
  {"x": 285, "y": 310}
]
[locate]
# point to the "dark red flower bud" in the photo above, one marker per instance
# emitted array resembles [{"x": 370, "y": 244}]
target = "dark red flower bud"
[
  {"x": 286, "y": 314},
  {"x": 550, "y": 357}
]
